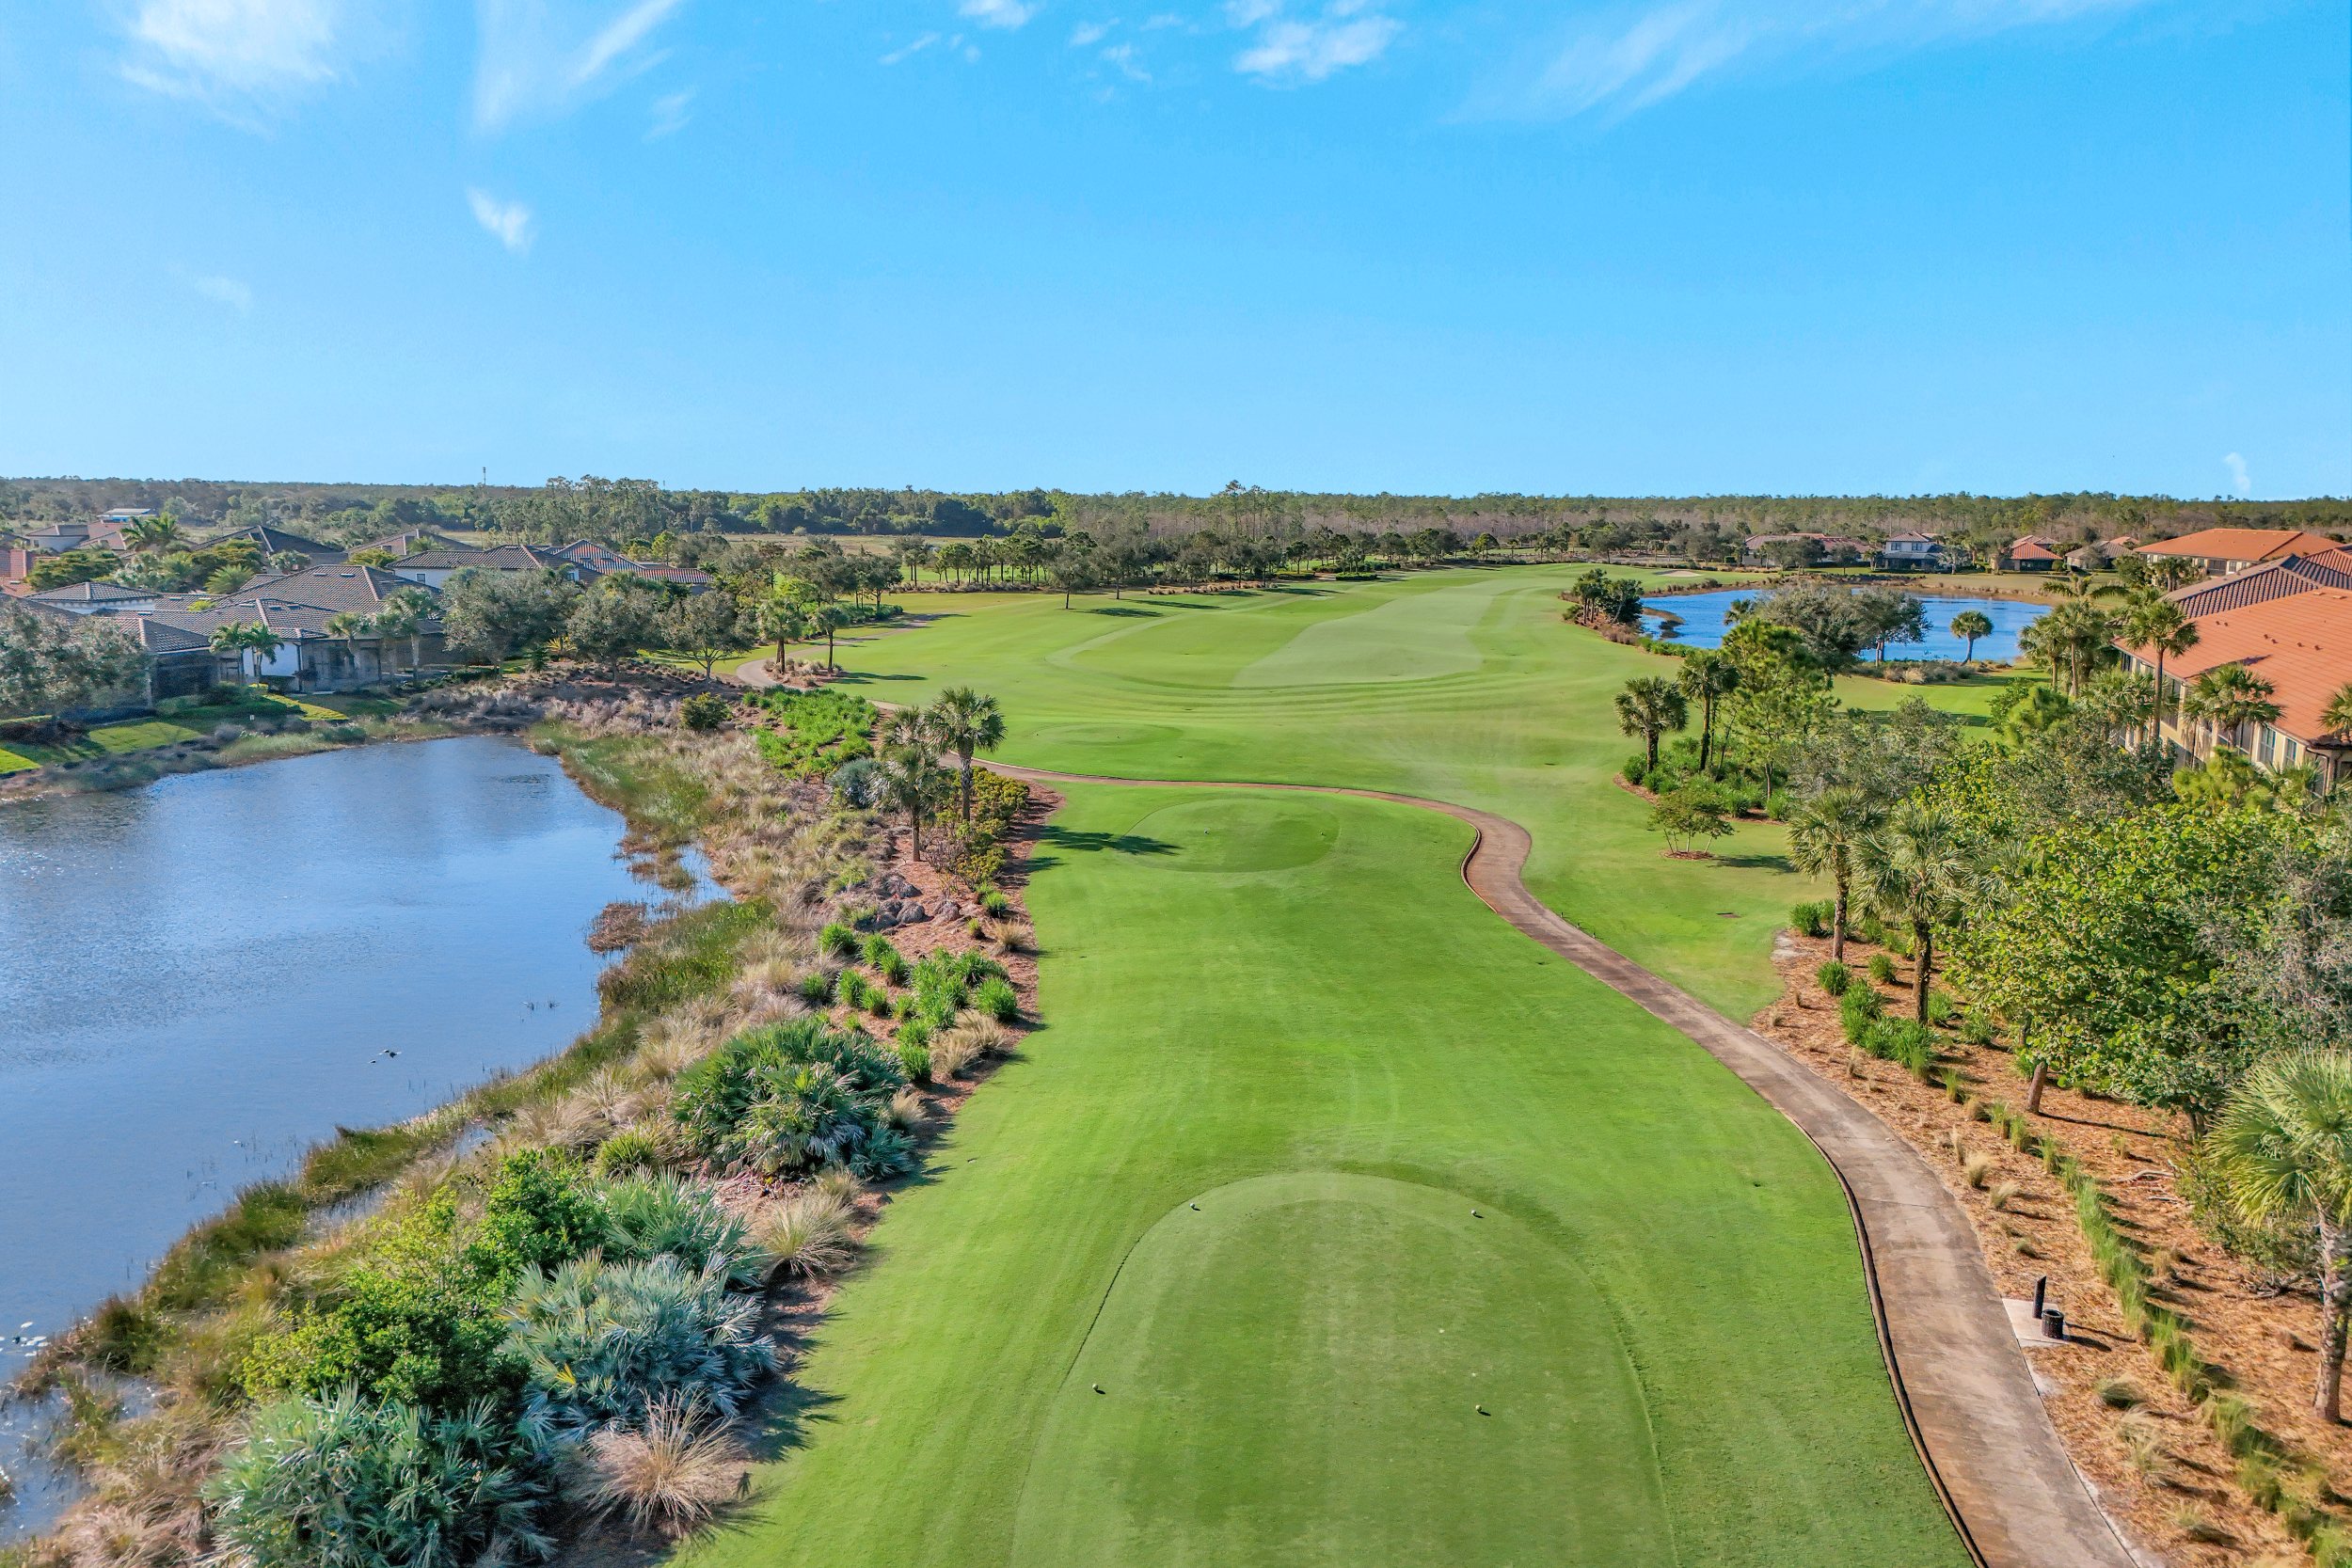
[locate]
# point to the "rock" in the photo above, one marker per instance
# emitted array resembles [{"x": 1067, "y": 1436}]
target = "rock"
[
  {"x": 886, "y": 915},
  {"x": 912, "y": 913},
  {"x": 949, "y": 909}
]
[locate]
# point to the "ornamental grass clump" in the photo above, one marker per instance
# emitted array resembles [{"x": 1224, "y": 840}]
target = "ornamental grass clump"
[
  {"x": 1834, "y": 977},
  {"x": 649, "y": 1217},
  {"x": 996, "y": 999},
  {"x": 346, "y": 1481},
  {"x": 837, "y": 940},
  {"x": 597, "y": 1343},
  {"x": 1858, "y": 1011},
  {"x": 1881, "y": 968},
  {"x": 806, "y": 1235},
  {"x": 672, "y": 1470},
  {"x": 1813, "y": 919}
]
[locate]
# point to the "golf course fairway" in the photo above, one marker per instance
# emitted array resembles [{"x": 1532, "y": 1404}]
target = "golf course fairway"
[
  {"x": 1465, "y": 686},
  {"x": 1331, "y": 1222}
]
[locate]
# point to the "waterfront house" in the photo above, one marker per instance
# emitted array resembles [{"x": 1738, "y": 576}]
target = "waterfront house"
[
  {"x": 58, "y": 538},
  {"x": 2032, "y": 553},
  {"x": 2272, "y": 579},
  {"x": 1829, "y": 549},
  {"x": 1912, "y": 551},
  {"x": 2300, "y": 643},
  {"x": 2224, "y": 550},
  {"x": 434, "y": 568},
  {"x": 94, "y": 598}
]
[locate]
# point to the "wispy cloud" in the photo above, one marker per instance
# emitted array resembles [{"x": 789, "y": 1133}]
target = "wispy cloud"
[
  {"x": 508, "y": 222},
  {"x": 1310, "y": 48},
  {"x": 1086, "y": 35},
  {"x": 999, "y": 13},
  {"x": 232, "y": 292},
  {"x": 2239, "y": 482},
  {"x": 909, "y": 51},
  {"x": 243, "y": 60},
  {"x": 1620, "y": 61},
  {"x": 670, "y": 114},
  {"x": 540, "y": 58},
  {"x": 1121, "y": 58}
]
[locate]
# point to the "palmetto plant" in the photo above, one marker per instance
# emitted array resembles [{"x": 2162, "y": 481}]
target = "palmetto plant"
[
  {"x": 1916, "y": 868},
  {"x": 348, "y": 1482},
  {"x": 2284, "y": 1151},
  {"x": 2229, "y": 697},
  {"x": 648, "y": 1216},
  {"x": 1650, "y": 706},
  {"x": 1827, "y": 837},
  {"x": 967, "y": 722},
  {"x": 599, "y": 1342}
]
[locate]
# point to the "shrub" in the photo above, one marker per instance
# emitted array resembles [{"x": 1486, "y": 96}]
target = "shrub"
[
  {"x": 792, "y": 1097},
  {"x": 838, "y": 940},
  {"x": 705, "y": 710},
  {"x": 1636, "y": 769},
  {"x": 629, "y": 1153},
  {"x": 817, "y": 986},
  {"x": 648, "y": 1216},
  {"x": 349, "y": 1482},
  {"x": 343, "y": 735},
  {"x": 1881, "y": 968},
  {"x": 1873, "y": 928},
  {"x": 1812, "y": 920},
  {"x": 1907, "y": 1043},
  {"x": 850, "y": 989},
  {"x": 916, "y": 1061},
  {"x": 599, "y": 1342},
  {"x": 995, "y": 904},
  {"x": 887, "y": 960},
  {"x": 1778, "y": 805},
  {"x": 1976, "y": 1027},
  {"x": 857, "y": 782},
  {"x": 1941, "y": 1009},
  {"x": 996, "y": 999},
  {"x": 1834, "y": 977},
  {"x": 1858, "y": 1010},
  {"x": 806, "y": 1235},
  {"x": 672, "y": 1470},
  {"x": 815, "y": 732},
  {"x": 540, "y": 1210}
]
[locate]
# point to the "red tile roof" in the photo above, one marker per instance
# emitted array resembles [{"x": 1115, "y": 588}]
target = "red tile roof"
[
  {"x": 2242, "y": 544},
  {"x": 2030, "y": 549},
  {"x": 2301, "y": 645}
]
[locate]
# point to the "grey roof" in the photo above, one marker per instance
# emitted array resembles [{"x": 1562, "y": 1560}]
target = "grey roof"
[
  {"x": 161, "y": 636},
  {"x": 2272, "y": 579},
  {"x": 273, "y": 540},
  {"x": 88, "y": 593},
  {"x": 332, "y": 588},
  {"x": 499, "y": 558}
]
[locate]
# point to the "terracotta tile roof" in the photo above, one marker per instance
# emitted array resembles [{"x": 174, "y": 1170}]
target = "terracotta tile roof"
[
  {"x": 2242, "y": 544},
  {"x": 2030, "y": 549},
  {"x": 2301, "y": 645}
]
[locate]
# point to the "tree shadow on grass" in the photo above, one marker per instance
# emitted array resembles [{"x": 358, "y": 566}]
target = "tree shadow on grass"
[
  {"x": 1122, "y": 610},
  {"x": 865, "y": 677},
  {"x": 1085, "y": 842},
  {"x": 1757, "y": 862}
]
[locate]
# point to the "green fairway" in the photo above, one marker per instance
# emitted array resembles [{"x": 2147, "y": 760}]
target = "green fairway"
[
  {"x": 1435, "y": 1167},
  {"x": 1464, "y": 685}
]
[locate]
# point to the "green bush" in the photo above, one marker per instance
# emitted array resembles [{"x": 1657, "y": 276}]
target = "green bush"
[
  {"x": 1907, "y": 1043},
  {"x": 838, "y": 940},
  {"x": 1813, "y": 919},
  {"x": 1834, "y": 977},
  {"x": 540, "y": 1210},
  {"x": 850, "y": 990},
  {"x": 999, "y": 999},
  {"x": 816, "y": 731},
  {"x": 598, "y": 1341},
  {"x": 1881, "y": 968},
  {"x": 1636, "y": 769},
  {"x": 351, "y": 1482},
  {"x": 914, "y": 1056},
  {"x": 995, "y": 904},
  {"x": 1976, "y": 1027},
  {"x": 790, "y": 1098},
  {"x": 1858, "y": 1010},
  {"x": 705, "y": 710},
  {"x": 627, "y": 1154},
  {"x": 1942, "y": 1009},
  {"x": 649, "y": 1217},
  {"x": 818, "y": 986}
]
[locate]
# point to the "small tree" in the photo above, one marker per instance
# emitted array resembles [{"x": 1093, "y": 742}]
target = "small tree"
[
  {"x": 1971, "y": 624},
  {"x": 53, "y": 663},
  {"x": 1710, "y": 677},
  {"x": 1650, "y": 706},
  {"x": 702, "y": 627},
  {"x": 1691, "y": 812},
  {"x": 829, "y": 619},
  {"x": 1826, "y": 838},
  {"x": 967, "y": 722},
  {"x": 2283, "y": 1149},
  {"x": 241, "y": 639},
  {"x": 1916, "y": 869}
]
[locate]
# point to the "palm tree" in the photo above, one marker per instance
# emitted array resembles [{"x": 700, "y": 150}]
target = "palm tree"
[
  {"x": 829, "y": 619},
  {"x": 1648, "y": 706},
  {"x": 1916, "y": 869},
  {"x": 967, "y": 722},
  {"x": 910, "y": 777},
  {"x": 1826, "y": 838},
  {"x": 2284, "y": 1151},
  {"x": 351, "y": 625},
  {"x": 1971, "y": 623},
  {"x": 152, "y": 535},
  {"x": 2337, "y": 715},
  {"x": 2229, "y": 697},
  {"x": 1709, "y": 674},
  {"x": 2154, "y": 621},
  {"x": 2070, "y": 641},
  {"x": 403, "y": 615},
  {"x": 243, "y": 638}
]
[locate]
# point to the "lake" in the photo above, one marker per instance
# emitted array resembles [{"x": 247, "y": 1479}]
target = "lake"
[
  {"x": 1703, "y": 624},
  {"x": 206, "y": 976}
]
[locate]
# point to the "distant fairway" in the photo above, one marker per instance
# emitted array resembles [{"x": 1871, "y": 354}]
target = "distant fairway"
[
  {"x": 1289, "y": 1011},
  {"x": 1462, "y": 686}
]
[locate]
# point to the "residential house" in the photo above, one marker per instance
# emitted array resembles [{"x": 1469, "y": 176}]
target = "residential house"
[
  {"x": 58, "y": 538},
  {"x": 94, "y": 598},
  {"x": 597, "y": 560},
  {"x": 434, "y": 568},
  {"x": 319, "y": 652},
  {"x": 2272, "y": 579},
  {"x": 2032, "y": 553},
  {"x": 1909, "y": 551},
  {"x": 276, "y": 541},
  {"x": 415, "y": 541},
  {"x": 2301, "y": 645},
  {"x": 1836, "y": 548},
  {"x": 123, "y": 516},
  {"x": 16, "y": 564},
  {"x": 2223, "y": 550}
]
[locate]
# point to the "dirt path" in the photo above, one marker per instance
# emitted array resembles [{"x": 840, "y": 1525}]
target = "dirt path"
[{"x": 1960, "y": 1377}]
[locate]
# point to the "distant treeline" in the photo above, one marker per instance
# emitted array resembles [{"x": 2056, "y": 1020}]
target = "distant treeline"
[{"x": 620, "y": 509}]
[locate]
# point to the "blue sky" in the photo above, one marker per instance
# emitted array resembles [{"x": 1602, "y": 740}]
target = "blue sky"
[{"x": 1662, "y": 246}]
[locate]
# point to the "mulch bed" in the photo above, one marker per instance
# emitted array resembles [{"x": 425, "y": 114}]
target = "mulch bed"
[{"x": 2260, "y": 1337}]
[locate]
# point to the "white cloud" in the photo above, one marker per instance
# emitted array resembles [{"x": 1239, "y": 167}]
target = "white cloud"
[
  {"x": 1121, "y": 58},
  {"x": 238, "y": 296},
  {"x": 508, "y": 222},
  {"x": 541, "y": 58},
  {"x": 1345, "y": 33},
  {"x": 2239, "y": 482},
  {"x": 241, "y": 59},
  {"x": 925, "y": 41},
  {"x": 1088, "y": 34},
  {"x": 670, "y": 114},
  {"x": 999, "y": 13},
  {"x": 1624, "y": 60}
]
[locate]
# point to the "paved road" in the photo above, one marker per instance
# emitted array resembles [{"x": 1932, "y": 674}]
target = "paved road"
[{"x": 1959, "y": 1376}]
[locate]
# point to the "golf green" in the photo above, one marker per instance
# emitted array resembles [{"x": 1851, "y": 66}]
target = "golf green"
[
  {"x": 1464, "y": 685},
  {"x": 1487, "y": 1266}
]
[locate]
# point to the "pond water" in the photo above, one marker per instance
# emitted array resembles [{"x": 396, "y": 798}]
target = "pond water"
[
  {"x": 1703, "y": 623},
  {"x": 205, "y": 976}
]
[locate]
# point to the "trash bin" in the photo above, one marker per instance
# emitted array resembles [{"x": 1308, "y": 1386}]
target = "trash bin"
[{"x": 2053, "y": 1324}]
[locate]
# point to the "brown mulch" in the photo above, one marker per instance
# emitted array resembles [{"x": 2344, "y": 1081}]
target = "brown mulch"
[{"x": 2260, "y": 1337}]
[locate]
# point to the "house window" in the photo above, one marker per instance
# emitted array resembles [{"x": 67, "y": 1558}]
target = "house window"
[
  {"x": 2293, "y": 753},
  {"x": 2267, "y": 748}
]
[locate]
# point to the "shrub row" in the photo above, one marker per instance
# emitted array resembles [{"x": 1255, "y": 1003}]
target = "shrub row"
[{"x": 816, "y": 731}]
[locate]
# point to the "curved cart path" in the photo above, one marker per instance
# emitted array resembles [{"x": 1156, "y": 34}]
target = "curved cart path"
[{"x": 1959, "y": 1376}]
